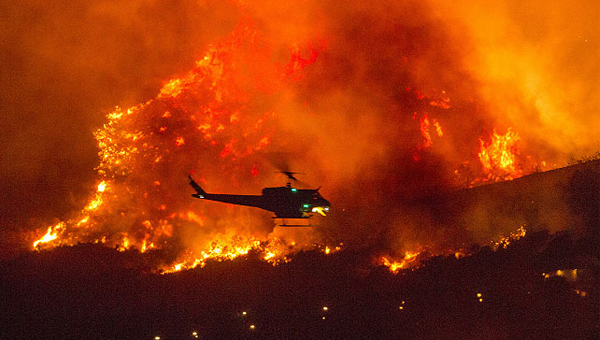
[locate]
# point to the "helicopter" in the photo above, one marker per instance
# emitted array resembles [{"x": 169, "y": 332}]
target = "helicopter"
[{"x": 285, "y": 202}]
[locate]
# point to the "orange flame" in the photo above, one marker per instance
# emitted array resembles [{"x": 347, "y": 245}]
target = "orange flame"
[
  {"x": 505, "y": 241},
  {"x": 222, "y": 248},
  {"x": 498, "y": 157},
  {"x": 51, "y": 235},
  {"x": 395, "y": 265},
  {"x": 410, "y": 258},
  {"x": 206, "y": 109}
]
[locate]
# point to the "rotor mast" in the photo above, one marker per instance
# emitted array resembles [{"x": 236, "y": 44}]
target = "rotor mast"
[{"x": 290, "y": 176}]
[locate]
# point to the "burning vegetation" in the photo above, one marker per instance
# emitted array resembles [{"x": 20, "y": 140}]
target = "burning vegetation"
[
  {"x": 254, "y": 93},
  {"x": 205, "y": 121},
  {"x": 437, "y": 136}
]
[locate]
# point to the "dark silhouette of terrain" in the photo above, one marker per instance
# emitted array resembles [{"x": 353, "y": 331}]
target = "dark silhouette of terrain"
[
  {"x": 542, "y": 286},
  {"x": 92, "y": 292}
]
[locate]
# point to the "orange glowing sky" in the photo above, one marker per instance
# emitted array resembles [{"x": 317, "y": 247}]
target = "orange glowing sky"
[{"x": 376, "y": 103}]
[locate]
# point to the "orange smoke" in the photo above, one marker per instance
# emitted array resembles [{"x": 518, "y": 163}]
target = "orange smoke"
[
  {"x": 211, "y": 111},
  {"x": 538, "y": 64},
  {"x": 379, "y": 104}
]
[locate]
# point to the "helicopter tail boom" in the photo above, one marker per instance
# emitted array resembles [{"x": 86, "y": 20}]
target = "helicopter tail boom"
[
  {"x": 200, "y": 192},
  {"x": 248, "y": 200}
]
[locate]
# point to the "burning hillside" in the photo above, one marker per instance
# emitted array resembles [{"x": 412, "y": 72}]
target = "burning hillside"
[
  {"x": 382, "y": 107},
  {"x": 210, "y": 121},
  {"x": 421, "y": 122}
]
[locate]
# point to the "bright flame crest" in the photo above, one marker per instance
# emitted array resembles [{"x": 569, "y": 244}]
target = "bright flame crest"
[{"x": 215, "y": 119}]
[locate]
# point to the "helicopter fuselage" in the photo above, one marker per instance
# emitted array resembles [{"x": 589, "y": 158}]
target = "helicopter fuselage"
[{"x": 284, "y": 202}]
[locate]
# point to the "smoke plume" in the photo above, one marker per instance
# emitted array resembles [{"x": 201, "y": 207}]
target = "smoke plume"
[{"x": 381, "y": 105}]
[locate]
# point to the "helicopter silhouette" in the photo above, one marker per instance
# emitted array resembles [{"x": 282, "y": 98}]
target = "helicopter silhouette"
[{"x": 285, "y": 202}]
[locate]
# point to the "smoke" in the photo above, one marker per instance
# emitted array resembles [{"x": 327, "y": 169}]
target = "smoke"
[
  {"x": 357, "y": 114},
  {"x": 533, "y": 68},
  {"x": 538, "y": 65},
  {"x": 349, "y": 113},
  {"x": 64, "y": 65}
]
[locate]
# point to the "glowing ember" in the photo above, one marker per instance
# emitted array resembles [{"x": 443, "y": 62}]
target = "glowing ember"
[{"x": 505, "y": 241}]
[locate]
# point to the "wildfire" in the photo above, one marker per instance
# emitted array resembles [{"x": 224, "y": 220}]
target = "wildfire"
[
  {"x": 430, "y": 128},
  {"x": 410, "y": 258},
  {"x": 395, "y": 265},
  {"x": 425, "y": 126},
  {"x": 217, "y": 119},
  {"x": 498, "y": 157},
  {"x": 275, "y": 251},
  {"x": 203, "y": 120},
  {"x": 51, "y": 235},
  {"x": 505, "y": 241},
  {"x": 217, "y": 252}
]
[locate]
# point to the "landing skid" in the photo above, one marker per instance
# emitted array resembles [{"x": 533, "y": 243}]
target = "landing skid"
[{"x": 292, "y": 222}]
